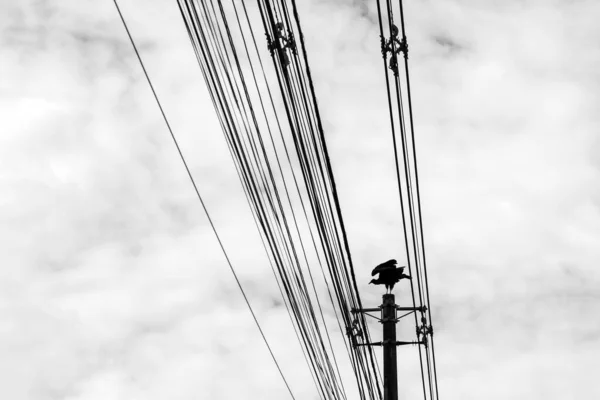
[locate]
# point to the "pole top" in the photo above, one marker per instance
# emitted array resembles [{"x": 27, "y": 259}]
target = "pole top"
[{"x": 389, "y": 298}]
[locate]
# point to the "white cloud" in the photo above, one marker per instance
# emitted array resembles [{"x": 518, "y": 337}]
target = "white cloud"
[{"x": 112, "y": 285}]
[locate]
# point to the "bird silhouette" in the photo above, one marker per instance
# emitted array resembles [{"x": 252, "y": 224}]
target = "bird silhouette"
[{"x": 389, "y": 274}]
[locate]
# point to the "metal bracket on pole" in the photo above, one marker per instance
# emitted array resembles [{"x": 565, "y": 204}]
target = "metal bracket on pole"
[
  {"x": 389, "y": 319},
  {"x": 397, "y": 343},
  {"x": 398, "y": 308},
  {"x": 420, "y": 309}
]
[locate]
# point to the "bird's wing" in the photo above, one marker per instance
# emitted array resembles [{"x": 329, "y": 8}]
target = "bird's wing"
[
  {"x": 401, "y": 269},
  {"x": 384, "y": 266}
]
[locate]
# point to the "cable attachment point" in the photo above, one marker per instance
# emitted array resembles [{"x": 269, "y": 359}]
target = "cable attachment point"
[
  {"x": 394, "y": 46},
  {"x": 284, "y": 39},
  {"x": 354, "y": 332},
  {"x": 424, "y": 329}
]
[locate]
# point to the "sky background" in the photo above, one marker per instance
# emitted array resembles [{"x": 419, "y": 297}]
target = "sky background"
[{"x": 112, "y": 285}]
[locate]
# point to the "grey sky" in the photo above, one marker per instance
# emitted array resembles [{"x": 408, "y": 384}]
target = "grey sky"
[{"x": 112, "y": 285}]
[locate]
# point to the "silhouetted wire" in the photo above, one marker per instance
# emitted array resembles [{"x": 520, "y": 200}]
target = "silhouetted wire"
[
  {"x": 355, "y": 293},
  {"x": 286, "y": 78},
  {"x": 410, "y": 113},
  {"x": 407, "y": 174},
  {"x": 247, "y": 194},
  {"x": 238, "y": 137},
  {"x": 417, "y": 250},
  {"x": 199, "y": 196},
  {"x": 325, "y": 324},
  {"x": 291, "y": 167},
  {"x": 411, "y": 207},
  {"x": 252, "y": 164},
  {"x": 306, "y": 134},
  {"x": 397, "y": 164},
  {"x": 301, "y": 160},
  {"x": 246, "y": 127},
  {"x": 296, "y": 142},
  {"x": 284, "y": 274},
  {"x": 329, "y": 172}
]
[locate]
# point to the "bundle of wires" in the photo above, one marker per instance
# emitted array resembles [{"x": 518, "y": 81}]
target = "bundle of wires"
[
  {"x": 273, "y": 128},
  {"x": 394, "y": 47}
]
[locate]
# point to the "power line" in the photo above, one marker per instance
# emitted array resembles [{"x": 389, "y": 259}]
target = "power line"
[
  {"x": 284, "y": 77},
  {"x": 219, "y": 62},
  {"x": 211, "y": 38},
  {"x": 397, "y": 46},
  {"x": 224, "y": 75},
  {"x": 200, "y": 197},
  {"x": 414, "y": 154}
]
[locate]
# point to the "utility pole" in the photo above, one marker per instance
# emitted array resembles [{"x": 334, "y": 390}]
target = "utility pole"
[
  {"x": 390, "y": 366},
  {"x": 389, "y": 320}
]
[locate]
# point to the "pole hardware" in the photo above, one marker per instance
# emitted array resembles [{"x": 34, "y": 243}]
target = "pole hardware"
[
  {"x": 397, "y": 343},
  {"x": 283, "y": 39},
  {"x": 393, "y": 45}
]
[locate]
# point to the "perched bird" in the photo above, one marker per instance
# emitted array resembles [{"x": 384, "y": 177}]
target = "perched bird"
[
  {"x": 389, "y": 264},
  {"x": 389, "y": 274}
]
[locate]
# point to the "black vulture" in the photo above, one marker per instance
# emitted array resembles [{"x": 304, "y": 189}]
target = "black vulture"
[{"x": 389, "y": 274}]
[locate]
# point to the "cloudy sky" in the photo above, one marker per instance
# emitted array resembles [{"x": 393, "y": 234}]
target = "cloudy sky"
[{"x": 112, "y": 284}]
